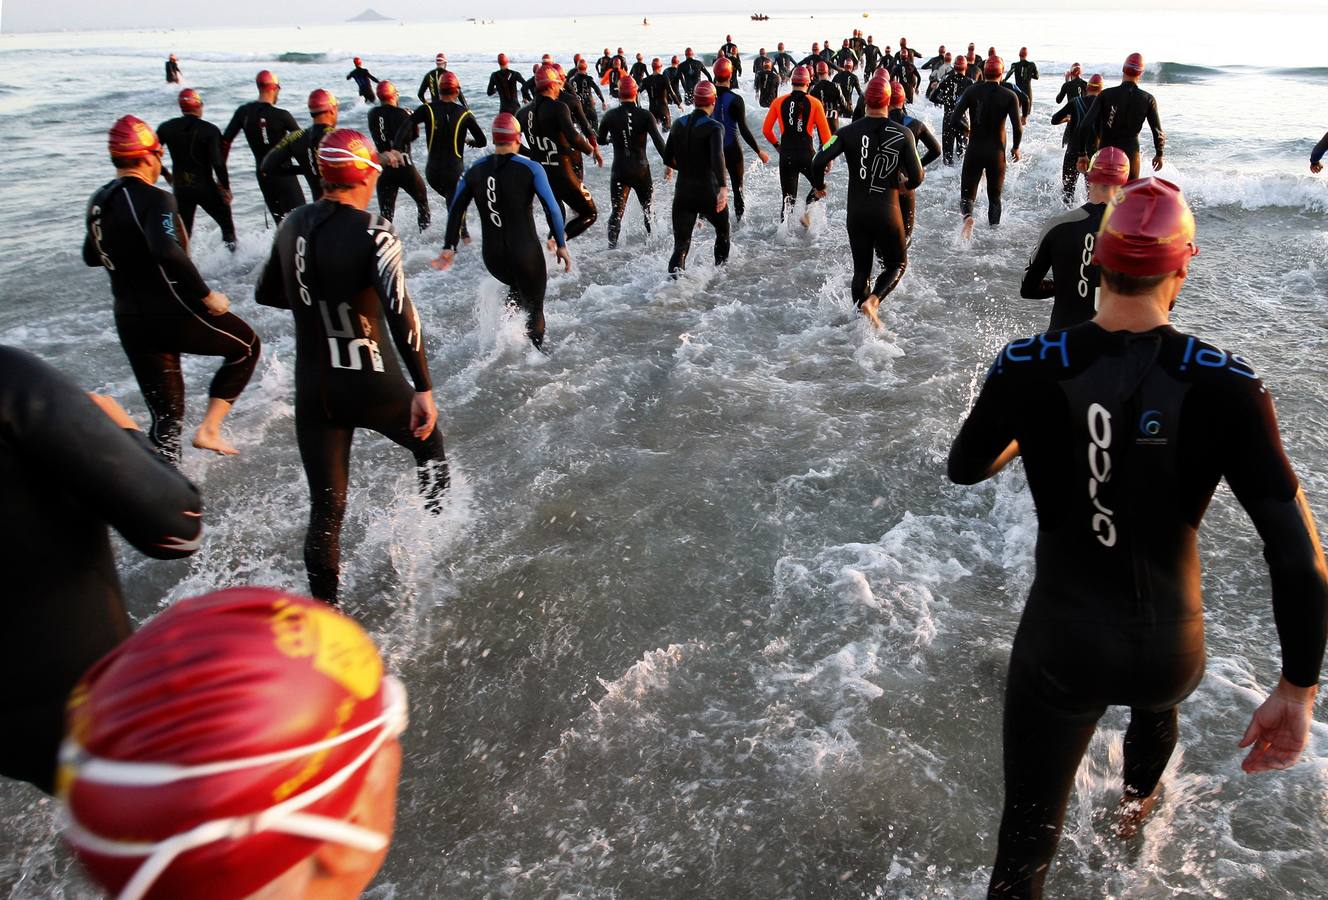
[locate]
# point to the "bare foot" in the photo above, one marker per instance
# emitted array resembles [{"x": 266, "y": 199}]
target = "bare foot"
[
  {"x": 553, "y": 244},
  {"x": 967, "y": 233},
  {"x": 806, "y": 220},
  {"x": 208, "y": 439},
  {"x": 1131, "y": 812},
  {"x": 465, "y": 238},
  {"x": 869, "y": 307}
]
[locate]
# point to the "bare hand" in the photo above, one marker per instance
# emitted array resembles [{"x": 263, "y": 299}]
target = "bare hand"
[
  {"x": 723, "y": 200},
  {"x": 599, "y": 158},
  {"x": 444, "y": 260},
  {"x": 1081, "y": 164},
  {"x": 1316, "y": 168},
  {"x": 565, "y": 257},
  {"x": 1279, "y": 728},
  {"x": 227, "y": 196},
  {"x": 423, "y": 414},
  {"x": 114, "y": 411},
  {"x": 763, "y": 156},
  {"x": 1157, "y": 163},
  {"x": 217, "y": 303},
  {"x": 819, "y": 193},
  {"x": 668, "y": 174}
]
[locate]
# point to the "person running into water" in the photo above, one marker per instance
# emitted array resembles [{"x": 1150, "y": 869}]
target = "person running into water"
[
  {"x": 881, "y": 157},
  {"x": 73, "y": 466},
  {"x": 265, "y": 125},
  {"x": 503, "y": 186},
  {"x": 1024, "y": 74},
  {"x": 508, "y": 85},
  {"x": 1073, "y": 114},
  {"x": 1316, "y": 155},
  {"x": 695, "y": 150},
  {"x": 1125, "y": 426},
  {"x": 586, "y": 90},
  {"x": 241, "y": 744},
  {"x": 639, "y": 69},
  {"x": 783, "y": 63},
  {"x": 1074, "y": 85},
  {"x": 1118, "y": 116},
  {"x": 298, "y": 151},
  {"x": 661, "y": 92},
  {"x": 954, "y": 134},
  {"x": 430, "y": 86},
  {"x": 847, "y": 82},
  {"x": 798, "y": 117},
  {"x": 731, "y": 112},
  {"x": 691, "y": 71},
  {"x": 364, "y": 80},
  {"x": 163, "y": 307},
  {"x": 555, "y": 144},
  {"x": 385, "y": 121},
  {"x": 198, "y": 167},
  {"x": 627, "y": 127},
  {"x": 990, "y": 104},
  {"x": 173, "y": 73},
  {"x": 766, "y": 84},
  {"x": 921, "y": 136},
  {"x": 338, "y": 269},
  {"x": 1066, "y": 247}
]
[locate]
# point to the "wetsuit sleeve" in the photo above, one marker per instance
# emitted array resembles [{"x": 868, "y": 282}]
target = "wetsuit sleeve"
[
  {"x": 655, "y": 135},
  {"x": 1155, "y": 125},
  {"x": 960, "y": 110},
  {"x": 406, "y": 134},
  {"x": 552, "y": 211},
  {"x": 933, "y": 146},
  {"x": 821, "y": 161},
  {"x": 677, "y": 97},
  {"x": 271, "y": 287},
  {"x": 1035, "y": 71},
  {"x": 717, "y": 155},
  {"x": 771, "y": 117},
  {"x": 569, "y": 131},
  {"x": 232, "y": 129},
  {"x": 477, "y": 138},
  {"x": 1060, "y": 95},
  {"x": 1036, "y": 285},
  {"x": 424, "y": 86},
  {"x": 110, "y": 470},
  {"x": 739, "y": 110},
  {"x": 280, "y": 160},
  {"x": 603, "y": 134},
  {"x": 1061, "y": 114},
  {"x": 669, "y": 160},
  {"x": 819, "y": 123},
  {"x": 161, "y": 229},
  {"x": 1089, "y": 128},
  {"x": 217, "y": 159},
  {"x": 983, "y": 444},
  {"x": 1261, "y": 477},
  {"x": 583, "y": 123},
  {"x": 706, "y": 72},
  {"x": 1016, "y": 126},
  {"x": 1319, "y": 149},
  {"x": 910, "y": 167},
  {"x": 493, "y": 84},
  {"x": 389, "y": 280},
  {"x": 456, "y": 213}
]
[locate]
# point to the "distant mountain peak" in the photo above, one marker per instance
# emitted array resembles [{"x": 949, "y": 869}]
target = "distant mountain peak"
[{"x": 371, "y": 15}]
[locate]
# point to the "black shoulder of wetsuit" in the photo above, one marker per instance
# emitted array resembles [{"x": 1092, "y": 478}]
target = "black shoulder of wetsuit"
[{"x": 1035, "y": 284}]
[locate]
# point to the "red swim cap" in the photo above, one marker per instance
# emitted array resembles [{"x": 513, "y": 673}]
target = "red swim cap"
[
  {"x": 502, "y": 59},
  {"x": 321, "y": 101},
  {"x": 689, "y": 53},
  {"x": 266, "y": 79},
  {"x": 347, "y": 157},
  {"x": 190, "y": 101},
  {"x": 1076, "y": 69},
  {"x": 547, "y": 76},
  {"x": 878, "y": 94},
  {"x": 848, "y": 64},
  {"x": 222, "y": 743},
  {"x": 448, "y": 83},
  {"x": 822, "y": 68},
  {"x": 675, "y": 59},
  {"x": 581, "y": 65},
  {"x": 506, "y": 129},
  {"x": 356, "y": 60},
  {"x": 655, "y": 64},
  {"x": 440, "y": 59},
  {"x": 1023, "y": 52},
  {"x": 1134, "y": 64},
  {"x": 801, "y": 77},
  {"x": 961, "y": 64},
  {"x": 993, "y": 68},
  {"x": 704, "y": 94},
  {"x": 723, "y": 69},
  {"x": 387, "y": 90},
  {"x": 131, "y": 138},
  {"x": 898, "y": 95},
  {"x": 1147, "y": 229},
  {"x": 627, "y": 88},
  {"x": 1095, "y": 84},
  {"x": 1110, "y": 165}
]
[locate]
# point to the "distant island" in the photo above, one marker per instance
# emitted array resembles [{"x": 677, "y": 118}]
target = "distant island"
[{"x": 371, "y": 15}]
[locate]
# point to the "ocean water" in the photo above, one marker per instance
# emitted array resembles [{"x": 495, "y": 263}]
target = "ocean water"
[{"x": 704, "y": 617}]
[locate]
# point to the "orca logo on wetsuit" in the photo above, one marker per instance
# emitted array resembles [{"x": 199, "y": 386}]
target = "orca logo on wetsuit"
[
  {"x": 300, "y": 264},
  {"x": 1086, "y": 261},
  {"x": 491, "y": 194},
  {"x": 1099, "y": 468},
  {"x": 96, "y": 239}
]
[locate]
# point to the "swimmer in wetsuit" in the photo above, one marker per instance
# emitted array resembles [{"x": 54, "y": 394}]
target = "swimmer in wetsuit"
[
  {"x": 448, "y": 129},
  {"x": 338, "y": 269},
  {"x": 989, "y": 104},
  {"x": 921, "y": 136},
  {"x": 173, "y": 74},
  {"x": 1024, "y": 74},
  {"x": 627, "y": 127},
  {"x": 798, "y": 116},
  {"x": 661, "y": 92},
  {"x": 783, "y": 63},
  {"x": 1316, "y": 155},
  {"x": 385, "y": 120},
  {"x": 882, "y": 157},
  {"x": 1073, "y": 114},
  {"x": 1074, "y": 85},
  {"x": 298, "y": 151},
  {"x": 1125, "y": 426},
  {"x": 1066, "y": 247},
  {"x": 430, "y": 86},
  {"x": 70, "y": 469},
  {"x": 690, "y": 72},
  {"x": 1118, "y": 116},
  {"x": 508, "y": 85},
  {"x": 363, "y": 79},
  {"x": 198, "y": 164},
  {"x": 553, "y": 141},
  {"x": 503, "y": 187},
  {"x": 954, "y": 135},
  {"x": 264, "y": 125},
  {"x": 586, "y": 90},
  {"x": 163, "y": 308},
  {"x": 639, "y": 69},
  {"x": 695, "y": 150},
  {"x": 766, "y": 84},
  {"x": 731, "y": 112}
]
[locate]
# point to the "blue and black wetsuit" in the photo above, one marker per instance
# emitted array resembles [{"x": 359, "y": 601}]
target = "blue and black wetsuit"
[
  {"x": 988, "y": 105},
  {"x": 627, "y": 127},
  {"x": 503, "y": 187},
  {"x": 198, "y": 170},
  {"x": 1124, "y": 438},
  {"x": 1065, "y": 248},
  {"x": 731, "y": 112},
  {"x": 695, "y": 150},
  {"x": 364, "y": 80},
  {"x": 135, "y": 233},
  {"x": 384, "y": 123},
  {"x": 338, "y": 269}
]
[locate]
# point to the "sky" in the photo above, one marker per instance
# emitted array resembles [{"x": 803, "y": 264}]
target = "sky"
[{"x": 80, "y": 15}]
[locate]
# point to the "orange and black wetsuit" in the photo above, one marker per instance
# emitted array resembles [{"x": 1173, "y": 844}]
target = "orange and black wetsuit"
[{"x": 797, "y": 116}]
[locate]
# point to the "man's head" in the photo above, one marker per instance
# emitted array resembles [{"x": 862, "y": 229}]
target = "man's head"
[
  {"x": 993, "y": 68},
  {"x": 440, "y": 61},
  {"x": 640, "y": 57},
  {"x": 241, "y": 741},
  {"x": 800, "y": 78},
  {"x": 627, "y": 89},
  {"x": 357, "y": 62},
  {"x": 674, "y": 60},
  {"x": 781, "y": 46},
  {"x": 1109, "y": 169},
  {"x": 348, "y": 166},
  {"x": 449, "y": 86},
  {"x": 844, "y": 46},
  {"x": 1023, "y": 53},
  {"x": 822, "y": 69},
  {"x": 688, "y": 53},
  {"x": 1095, "y": 85},
  {"x": 268, "y": 85},
  {"x": 1146, "y": 241},
  {"x": 173, "y": 58},
  {"x": 876, "y": 98},
  {"x": 606, "y": 51},
  {"x": 548, "y": 80},
  {"x": 1133, "y": 67},
  {"x": 323, "y": 107},
  {"x": 723, "y": 70},
  {"x": 502, "y": 60},
  {"x": 620, "y": 51},
  {"x": 898, "y": 95},
  {"x": 387, "y": 93},
  {"x": 1076, "y": 70},
  {"x": 903, "y": 43},
  {"x": 816, "y": 48},
  {"x": 581, "y": 65},
  {"x": 961, "y": 65},
  {"x": 506, "y": 134},
  {"x": 190, "y": 103},
  {"x": 134, "y": 147},
  {"x": 656, "y": 65},
  {"x": 703, "y": 97}
]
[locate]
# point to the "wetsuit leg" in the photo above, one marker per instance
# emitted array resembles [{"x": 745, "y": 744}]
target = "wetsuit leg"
[
  {"x": 891, "y": 247},
  {"x": 526, "y": 276},
  {"x": 907, "y": 209},
  {"x": 219, "y": 211},
  {"x": 281, "y": 193},
  {"x": 1149, "y": 742},
  {"x": 861, "y": 247},
  {"x": 720, "y": 222},
  {"x": 1069, "y": 176},
  {"x": 947, "y": 143},
  {"x": 736, "y": 165},
  {"x": 969, "y": 178},
  {"x": 388, "y": 185},
  {"x": 995, "y": 169},
  {"x": 789, "y": 169},
  {"x": 684, "y": 222},
  {"x": 443, "y": 177},
  {"x": 186, "y": 202},
  {"x": 413, "y": 184},
  {"x": 568, "y": 189},
  {"x": 619, "y": 192},
  {"x": 645, "y": 195}
]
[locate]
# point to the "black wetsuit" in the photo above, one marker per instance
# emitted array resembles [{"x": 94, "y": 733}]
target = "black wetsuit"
[
  {"x": 1024, "y": 73},
  {"x": 429, "y": 92},
  {"x": 767, "y": 87},
  {"x": 627, "y": 127},
  {"x": 507, "y": 84},
  {"x": 448, "y": 128},
  {"x": 583, "y": 123},
  {"x": 730, "y": 50},
  {"x": 134, "y": 232},
  {"x": 988, "y": 104},
  {"x": 784, "y": 64},
  {"x": 1072, "y": 113},
  {"x": 954, "y": 136},
  {"x": 910, "y": 77},
  {"x": 603, "y": 64},
  {"x": 1116, "y": 120},
  {"x": 384, "y": 123},
  {"x": 881, "y": 158},
  {"x": 173, "y": 75},
  {"x": 198, "y": 172},
  {"x": 639, "y": 71},
  {"x": 690, "y": 73},
  {"x": 871, "y": 60},
  {"x": 661, "y": 93},
  {"x": 848, "y": 84},
  {"x": 731, "y": 112},
  {"x": 695, "y": 150},
  {"x": 1066, "y": 249},
  {"x": 921, "y": 136},
  {"x": 338, "y": 269},
  {"x": 832, "y": 100},
  {"x": 675, "y": 80},
  {"x": 68, "y": 472},
  {"x": 298, "y": 152},
  {"x": 586, "y": 90},
  {"x": 1073, "y": 87},
  {"x": 1124, "y": 437},
  {"x": 264, "y": 126},
  {"x": 364, "y": 80},
  {"x": 553, "y": 142}
]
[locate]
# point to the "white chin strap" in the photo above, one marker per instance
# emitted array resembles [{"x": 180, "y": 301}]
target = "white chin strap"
[{"x": 285, "y": 817}]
